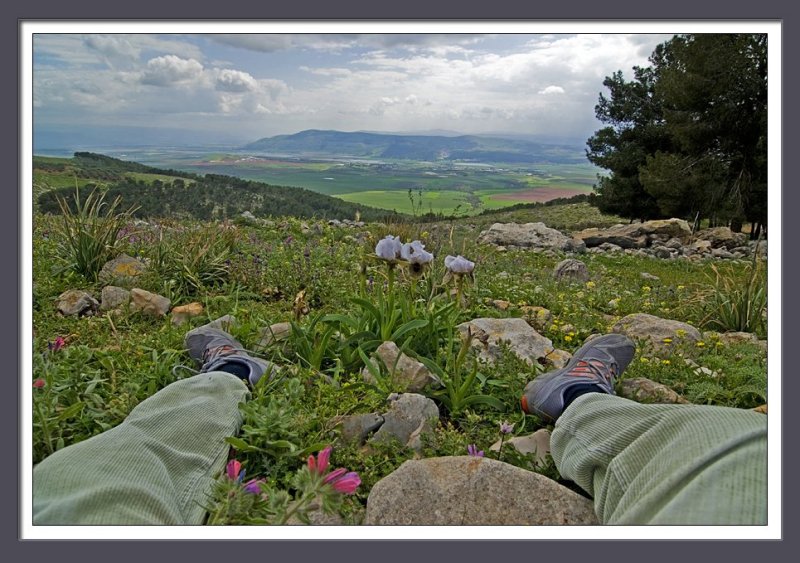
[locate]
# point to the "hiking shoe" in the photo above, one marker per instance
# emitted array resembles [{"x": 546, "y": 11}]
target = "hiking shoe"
[
  {"x": 214, "y": 349},
  {"x": 597, "y": 363}
]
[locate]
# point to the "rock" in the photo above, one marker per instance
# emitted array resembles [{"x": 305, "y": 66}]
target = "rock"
[
  {"x": 149, "y": 303},
  {"x": 528, "y": 235},
  {"x": 522, "y": 339},
  {"x": 663, "y": 334},
  {"x": 571, "y": 270},
  {"x": 112, "y": 297},
  {"x": 406, "y": 373},
  {"x": 762, "y": 409},
  {"x": 674, "y": 244},
  {"x": 637, "y": 235},
  {"x": 537, "y": 443},
  {"x": 557, "y": 359},
  {"x": 722, "y": 237},
  {"x": 722, "y": 253},
  {"x": 537, "y": 317},
  {"x": 645, "y": 390},
  {"x": 662, "y": 252},
  {"x": 76, "y": 302},
  {"x": 123, "y": 271},
  {"x": 183, "y": 313},
  {"x": 409, "y": 417},
  {"x": 248, "y": 216},
  {"x": 273, "y": 333},
  {"x": 473, "y": 491},
  {"x": 357, "y": 427},
  {"x": 609, "y": 247},
  {"x": 649, "y": 277},
  {"x": 501, "y": 304},
  {"x": 701, "y": 246}
]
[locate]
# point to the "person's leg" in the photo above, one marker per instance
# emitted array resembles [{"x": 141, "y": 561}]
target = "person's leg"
[
  {"x": 665, "y": 464},
  {"x": 156, "y": 467}
]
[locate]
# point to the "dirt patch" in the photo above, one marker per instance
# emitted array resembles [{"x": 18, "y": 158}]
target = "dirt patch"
[{"x": 540, "y": 194}]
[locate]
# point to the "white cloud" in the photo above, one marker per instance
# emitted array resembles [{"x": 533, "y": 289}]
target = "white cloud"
[
  {"x": 552, "y": 90},
  {"x": 229, "y": 80},
  {"x": 115, "y": 50},
  {"x": 169, "y": 69}
]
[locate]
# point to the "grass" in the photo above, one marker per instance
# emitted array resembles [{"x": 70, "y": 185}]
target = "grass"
[{"x": 111, "y": 363}]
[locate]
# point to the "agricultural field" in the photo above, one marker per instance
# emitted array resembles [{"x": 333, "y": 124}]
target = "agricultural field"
[{"x": 447, "y": 188}]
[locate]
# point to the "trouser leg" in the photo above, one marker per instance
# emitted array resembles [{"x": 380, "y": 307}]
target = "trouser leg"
[
  {"x": 665, "y": 464},
  {"x": 156, "y": 467}
]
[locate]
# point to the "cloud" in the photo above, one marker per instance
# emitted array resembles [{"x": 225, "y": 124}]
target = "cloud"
[
  {"x": 551, "y": 90},
  {"x": 229, "y": 80},
  {"x": 270, "y": 43},
  {"x": 169, "y": 69},
  {"x": 115, "y": 50}
]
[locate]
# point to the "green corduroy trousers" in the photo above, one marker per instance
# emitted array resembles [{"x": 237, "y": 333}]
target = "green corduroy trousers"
[{"x": 643, "y": 464}]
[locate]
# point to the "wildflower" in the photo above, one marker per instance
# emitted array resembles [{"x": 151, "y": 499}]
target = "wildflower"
[
  {"x": 665, "y": 362},
  {"x": 459, "y": 264},
  {"x": 472, "y": 450},
  {"x": 680, "y": 333},
  {"x": 343, "y": 482},
  {"x": 56, "y": 344},
  {"x": 389, "y": 248},
  {"x": 680, "y": 287},
  {"x": 700, "y": 344},
  {"x": 506, "y": 428},
  {"x": 39, "y": 383},
  {"x": 644, "y": 360},
  {"x": 568, "y": 338},
  {"x": 253, "y": 486},
  {"x": 234, "y": 470},
  {"x": 646, "y": 288},
  {"x": 667, "y": 340},
  {"x": 320, "y": 464},
  {"x": 416, "y": 255},
  {"x": 553, "y": 326},
  {"x": 590, "y": 284}
]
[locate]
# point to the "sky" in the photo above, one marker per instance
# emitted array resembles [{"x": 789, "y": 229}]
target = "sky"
[{"x": 237, "y": 88}]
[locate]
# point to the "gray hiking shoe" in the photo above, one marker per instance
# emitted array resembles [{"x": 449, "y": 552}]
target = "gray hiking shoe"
[
  {"x": 213, "y": 348},
  {"x": 598, "y": 362}
]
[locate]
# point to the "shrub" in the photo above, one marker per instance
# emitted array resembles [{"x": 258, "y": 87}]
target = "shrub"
[{"x": 736, "y": 306}]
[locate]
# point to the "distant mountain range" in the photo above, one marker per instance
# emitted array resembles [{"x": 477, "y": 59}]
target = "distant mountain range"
[{"x": 464, "y": 148}]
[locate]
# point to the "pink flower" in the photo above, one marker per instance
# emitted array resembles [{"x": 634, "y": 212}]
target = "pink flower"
[
  {"x": 320, "y": 464},
  {"x": 472, "y": 450},
  {"x": 57, "y": 344},
  {"x": 345, "y": 483},
  {"x": 234, "y": 470},
  {"x": 39, "y": 383}
]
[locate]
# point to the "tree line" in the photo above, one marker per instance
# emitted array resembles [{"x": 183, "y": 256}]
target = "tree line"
[{"x": 687, "y": 136}]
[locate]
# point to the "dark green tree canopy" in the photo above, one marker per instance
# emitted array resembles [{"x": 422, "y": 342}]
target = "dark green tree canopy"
[{"x": 687, "y": 136}]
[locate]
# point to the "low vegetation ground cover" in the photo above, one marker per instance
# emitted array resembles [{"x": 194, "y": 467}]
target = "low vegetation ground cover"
[{"x": 88, "y": 373}]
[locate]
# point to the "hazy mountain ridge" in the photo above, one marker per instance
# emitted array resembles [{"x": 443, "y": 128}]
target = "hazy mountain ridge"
[{"x": 416, "y": 147}]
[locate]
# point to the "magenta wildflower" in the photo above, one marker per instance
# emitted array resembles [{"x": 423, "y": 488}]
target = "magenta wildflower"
[
  {"x": 234, "y": 470},
  {"x": 56, "y": 344},
  {"x": 39, "y": 383},
  {"x": 345, "y": 483},
  {"x": 320, "y": 464},
  {"x": 472, "y": 450},
  {"x": 253, "y": 486}
]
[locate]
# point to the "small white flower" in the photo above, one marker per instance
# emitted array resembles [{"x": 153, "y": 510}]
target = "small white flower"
[
  {"x": 389, "y": 248},
  {"x": 459, "y": 264},
  {"x": 415, "y": 253}
]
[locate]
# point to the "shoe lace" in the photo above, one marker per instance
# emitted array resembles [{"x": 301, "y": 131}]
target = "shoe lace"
[{"x": 595, "y": 369}]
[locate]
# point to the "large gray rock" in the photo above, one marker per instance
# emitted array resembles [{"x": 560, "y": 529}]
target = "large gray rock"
[
  {"x": 663, "y": 335},
  {"x": 357, "y": 427},
  {"x": 273, "y": 333},
  {"x": 123, "y": 271},
  {"x": 637, "y": 235},
  {"x": 722, "y": 237},
  {"x": 522, "y": 339},
  {"x": 76, "y": 302},
  {"x": 149, "y": 303},
  {"x": 409, "y": 417},
  {"x": 645, "y": 390},
  {"x": 571, "y": 270},
  {"x": 528, "y": 235},
  {"x": 113, "y": 297},
  {"x": 473, "y": 491}
]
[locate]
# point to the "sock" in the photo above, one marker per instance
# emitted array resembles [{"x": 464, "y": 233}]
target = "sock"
[
  {"x": 576, "y": 391},
  {"x": 240, "y": 370}
]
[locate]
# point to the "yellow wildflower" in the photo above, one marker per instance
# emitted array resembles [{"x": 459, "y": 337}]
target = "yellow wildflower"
[
  {"x": 680, "y": 332},
  {"x": 700, "y": 344},
  {"x": 646, "y": 288},
  {"x": 680, "y": 287},
  {"x": 590, "y": 284},
  {"x": 667, "y": 341},
  {"x": 665, "y": 362},
  {"x": 568, "y": 338},
  {"x": 645, "y": 360}
]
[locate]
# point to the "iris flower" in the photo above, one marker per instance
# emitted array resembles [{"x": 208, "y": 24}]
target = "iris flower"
[
  {"x": 417, "y": 257},
  {"x": 459, "y": 264},
  {"x": 389, "y": 248},
  {"x": 472, "y": 450},
  {"x": 506, "y": 428}
]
